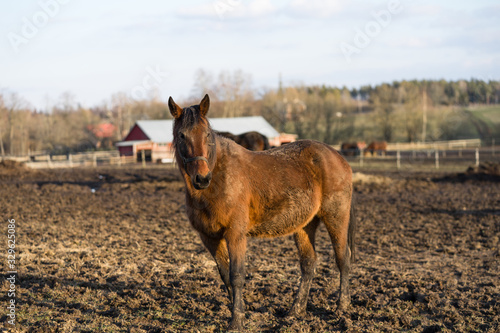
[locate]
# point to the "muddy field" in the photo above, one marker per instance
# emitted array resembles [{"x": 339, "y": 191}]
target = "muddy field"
[{"x": 111, "y": 250}]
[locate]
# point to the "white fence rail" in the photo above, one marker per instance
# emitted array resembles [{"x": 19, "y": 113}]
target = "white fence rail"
[
  {"x": 92, "y": 159},
  {"x": 440, "y": 145},
  {"x": 436, "y": 145},
  {"x": 430, "y": 159}
]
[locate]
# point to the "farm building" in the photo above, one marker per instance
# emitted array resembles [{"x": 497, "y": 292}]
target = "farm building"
[
  {"x": 103, "y": 134},
  {"x": 154, "y": 137}
]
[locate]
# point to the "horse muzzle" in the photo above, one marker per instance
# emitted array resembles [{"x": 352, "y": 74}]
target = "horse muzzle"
[{"x": 202, "y": 182}]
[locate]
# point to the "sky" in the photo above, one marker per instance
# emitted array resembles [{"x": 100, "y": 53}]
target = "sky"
[{"x": 94, "y": 49}]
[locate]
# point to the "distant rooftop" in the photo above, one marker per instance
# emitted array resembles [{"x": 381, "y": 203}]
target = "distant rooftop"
[{"x": 161, "y": 130}]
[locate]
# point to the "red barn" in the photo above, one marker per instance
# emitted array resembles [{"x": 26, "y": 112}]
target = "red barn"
[{"x": 154, "y": 137}]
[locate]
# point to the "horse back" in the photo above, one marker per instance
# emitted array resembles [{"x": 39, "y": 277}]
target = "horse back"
[{"x": 313, "y": 159}]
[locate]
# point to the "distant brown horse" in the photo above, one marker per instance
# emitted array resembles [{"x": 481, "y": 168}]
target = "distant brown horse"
[
  {"x": 349, "y": 149},
  {"x": 228, "y": 135},
  {"x": 233, "y": 193},
  {"x": 376, "y": 147},
  {"x": 250, "y": 140}
]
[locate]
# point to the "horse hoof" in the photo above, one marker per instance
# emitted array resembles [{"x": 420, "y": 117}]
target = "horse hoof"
[
  {"x": 235, "y": 327},
  {"x": 236, "y": 324}
]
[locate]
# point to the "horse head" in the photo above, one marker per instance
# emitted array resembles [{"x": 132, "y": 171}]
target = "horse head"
[{"x": 194, "y": 142}]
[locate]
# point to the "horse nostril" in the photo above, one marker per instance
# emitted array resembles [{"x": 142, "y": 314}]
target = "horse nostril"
[{"x": 202, "y": 182}]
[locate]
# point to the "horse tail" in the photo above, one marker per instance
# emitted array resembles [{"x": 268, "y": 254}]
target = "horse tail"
[{"x": 351, "y": 233}]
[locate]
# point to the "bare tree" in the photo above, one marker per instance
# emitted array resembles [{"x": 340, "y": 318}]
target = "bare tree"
[
  {"x": 235, "y": 90},
  {"x": 231, "y": 95},
  {"x": 203, "y": 84}
]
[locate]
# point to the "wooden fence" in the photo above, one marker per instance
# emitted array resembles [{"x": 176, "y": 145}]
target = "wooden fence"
[
  {"x": 435, "y": 145},
  {"x": 426, "y": 160},
  {"x": 91, "y": 159}
]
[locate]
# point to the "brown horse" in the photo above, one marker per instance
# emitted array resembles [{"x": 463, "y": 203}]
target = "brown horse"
[
  {"x": 254, "y": 141},
  {"x": 349, "y": 149},
  {"x": 233, "y": 193},
  {"x": 250, "y": 140},
  {"x": 376, "y": 147},
  {"x": 228, "y": 135}
]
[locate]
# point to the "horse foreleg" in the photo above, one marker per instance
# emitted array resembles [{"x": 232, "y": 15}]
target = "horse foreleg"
[
  {"x": 304, "y": 239},
  {"x": 236, "y": 244},
  {"x": 218, "y": 249}
]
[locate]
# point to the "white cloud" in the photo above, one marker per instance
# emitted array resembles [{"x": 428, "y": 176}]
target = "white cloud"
[
  {"x": 415, "y": 42},
  {"x": 487, "y": 61},
  {"x": 261, "y": 8},
  {"x": 229, "y": 9},
  {"x": 426, "y": 10},
  {"x": 314, "y": 8}
]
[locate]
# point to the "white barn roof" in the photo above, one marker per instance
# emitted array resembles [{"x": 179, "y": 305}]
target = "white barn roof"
[{"x": 161, "y": 130}]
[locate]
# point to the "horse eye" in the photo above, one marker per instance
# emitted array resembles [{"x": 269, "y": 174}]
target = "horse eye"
[{"x": 182, "y": 136}]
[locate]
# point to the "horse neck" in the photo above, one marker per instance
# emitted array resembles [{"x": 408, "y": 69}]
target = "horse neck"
[
  {"x": 221, "y": 155},
  {"x": 225, "y": 157}
]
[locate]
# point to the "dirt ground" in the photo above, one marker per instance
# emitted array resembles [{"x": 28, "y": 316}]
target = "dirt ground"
[{"x": 111, "y": 250}]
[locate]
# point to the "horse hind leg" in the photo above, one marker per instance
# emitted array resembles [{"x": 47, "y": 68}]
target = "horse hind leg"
[
  {"x": 337, "y": 224},
  {"x": 304, "y": 239}
]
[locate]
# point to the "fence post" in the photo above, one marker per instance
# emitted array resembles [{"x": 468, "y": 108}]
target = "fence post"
[
  {"x": 398, "y": 159},
  {"x": 95, "y": 160},
  {"x": 143, "y": 158},
  {"x": 70, "y": 160},
  {"x": 49, "y": 161},
  {"x": 477, "y": 156},
  {"x": 361, "y": 159},
  {"x": 437, "y": 159}
]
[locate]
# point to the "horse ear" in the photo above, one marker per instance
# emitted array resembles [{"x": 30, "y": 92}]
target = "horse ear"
[
  {"x": 175, "y": 110},
  {"x": 204, "y": 105}
]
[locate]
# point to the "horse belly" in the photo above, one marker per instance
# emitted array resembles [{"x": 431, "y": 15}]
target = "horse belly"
[{"x": 284, "y": 217}]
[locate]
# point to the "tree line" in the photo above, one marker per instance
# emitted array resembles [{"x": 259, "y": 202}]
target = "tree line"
[{"x": 418, "y": 110}]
